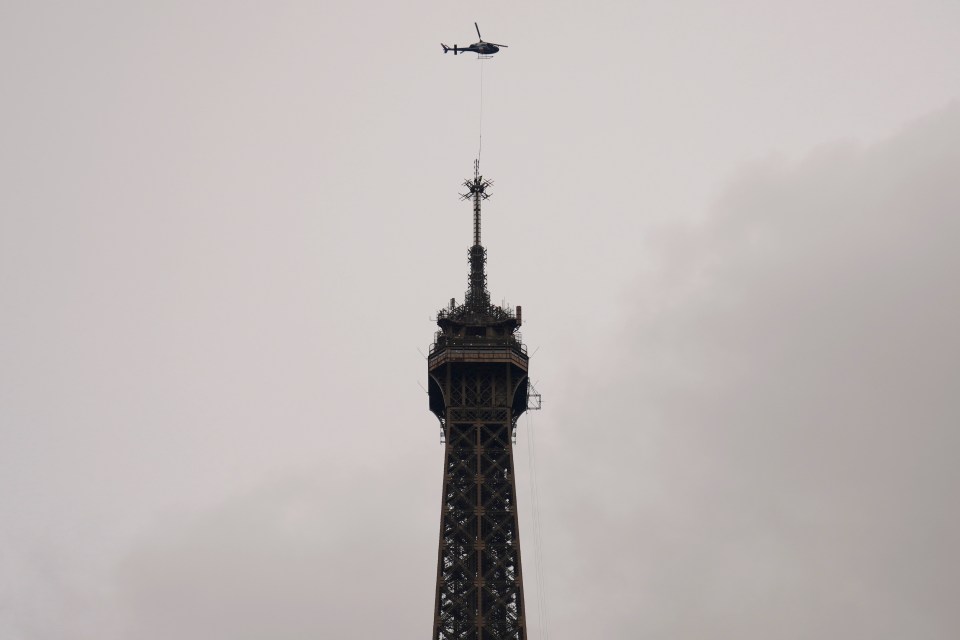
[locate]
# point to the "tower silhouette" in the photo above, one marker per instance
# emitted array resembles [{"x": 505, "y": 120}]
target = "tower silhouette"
[{"x": 478, "y": 388}]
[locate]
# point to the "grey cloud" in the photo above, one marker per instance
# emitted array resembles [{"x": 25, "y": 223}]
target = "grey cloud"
[
  {"x": 769, "y": 452},
  {"x": 301, "y": 556},
  {"x": 773, "y": 451}
]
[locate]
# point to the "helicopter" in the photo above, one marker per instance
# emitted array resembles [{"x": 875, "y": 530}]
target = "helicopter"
[{"x": 482, "y": 49}]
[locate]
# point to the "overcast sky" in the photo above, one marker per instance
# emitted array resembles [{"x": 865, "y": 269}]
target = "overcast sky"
[{"x": 733, "y": 227}]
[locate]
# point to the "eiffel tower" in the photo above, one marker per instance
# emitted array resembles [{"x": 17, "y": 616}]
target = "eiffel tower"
[{"x": 478, "y": 388}]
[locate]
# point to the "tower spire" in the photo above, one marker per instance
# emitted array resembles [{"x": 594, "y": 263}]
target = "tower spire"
[
  {"x": 478, "y": 297},
  {"x": 478, "y": 387}
]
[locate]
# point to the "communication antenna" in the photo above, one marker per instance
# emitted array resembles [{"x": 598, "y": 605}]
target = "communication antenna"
[
  {"x": 478, "y": 298},
  {"x": 477, "y": 190}
]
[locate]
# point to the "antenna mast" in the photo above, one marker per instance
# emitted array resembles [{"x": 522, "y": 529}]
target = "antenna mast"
[{"x": 478, "y": 298}]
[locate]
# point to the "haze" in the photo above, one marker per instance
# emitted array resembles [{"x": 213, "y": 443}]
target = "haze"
[{"x": 732, "y": 227}]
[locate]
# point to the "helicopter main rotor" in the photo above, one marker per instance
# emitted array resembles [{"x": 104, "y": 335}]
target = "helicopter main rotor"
[{"x": 475, "y": 26}]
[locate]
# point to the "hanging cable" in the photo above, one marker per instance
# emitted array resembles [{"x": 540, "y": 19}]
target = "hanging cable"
[
  {"x": 533, "y": 508},
  {"x": 481, "y": 110},
  {"x": 542, "y": 608}
]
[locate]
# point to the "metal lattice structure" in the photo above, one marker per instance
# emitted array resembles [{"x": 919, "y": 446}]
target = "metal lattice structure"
[{"x": 478, "y": 387}]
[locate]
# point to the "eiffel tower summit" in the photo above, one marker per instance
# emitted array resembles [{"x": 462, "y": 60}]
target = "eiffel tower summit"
[{"x": 478, "y": 388}]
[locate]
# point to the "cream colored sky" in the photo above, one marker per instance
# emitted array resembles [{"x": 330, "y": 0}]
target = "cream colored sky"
[{"x": 224, "y": 228}]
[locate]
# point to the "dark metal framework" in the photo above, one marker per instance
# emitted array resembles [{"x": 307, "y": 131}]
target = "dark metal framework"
[{"x": 478, "y": 388}]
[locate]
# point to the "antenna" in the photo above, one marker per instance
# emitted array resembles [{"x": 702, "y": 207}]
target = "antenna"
[
  {"x": 477, "y": 296},
  {"x": 477, "y": 190}
]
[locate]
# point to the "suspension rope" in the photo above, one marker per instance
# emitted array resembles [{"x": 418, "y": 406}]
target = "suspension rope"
[
  {"x": 481, "y": 110},
  {"x": 542, "y": 609}
]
